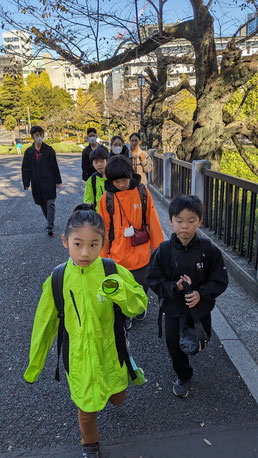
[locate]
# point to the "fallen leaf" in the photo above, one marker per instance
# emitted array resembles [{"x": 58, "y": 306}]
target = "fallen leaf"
[
  {"x": 207, "y": 442},
  {"x": 202, "y": 425}
]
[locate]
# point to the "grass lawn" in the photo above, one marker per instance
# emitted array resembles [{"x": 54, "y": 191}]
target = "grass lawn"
[{"x": 58, "y": 147}]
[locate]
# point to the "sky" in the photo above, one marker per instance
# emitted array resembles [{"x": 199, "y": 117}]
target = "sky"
[{"x": 227, "y": 15}]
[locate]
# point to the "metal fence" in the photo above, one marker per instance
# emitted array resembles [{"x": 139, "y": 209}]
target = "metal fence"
[
  {"x": 157, "y": 172},
  {"x": 181, "y": 174},
  {"x": 231, "y": 211},
  {"x": 230, "y": 203}
]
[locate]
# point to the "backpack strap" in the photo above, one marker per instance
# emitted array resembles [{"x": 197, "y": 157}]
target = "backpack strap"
[
  {"x": 57, "y": 289},
  {"x": 119, "y": 328},
  {"x": 111, "y": 209},
  {"x": 144, "y": 198},
  {"x": 93, "y": 184}
]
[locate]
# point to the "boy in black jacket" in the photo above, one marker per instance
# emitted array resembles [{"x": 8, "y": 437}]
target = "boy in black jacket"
[
  {"x": 40, "y": 170},
  {"x": 186, "y": 257}
]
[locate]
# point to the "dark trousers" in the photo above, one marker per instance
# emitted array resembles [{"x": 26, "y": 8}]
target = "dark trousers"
[
  {"x": 180, "y": 360},
  {"x": 140, "y": 276},
  {"x": 48, "y": 209}
]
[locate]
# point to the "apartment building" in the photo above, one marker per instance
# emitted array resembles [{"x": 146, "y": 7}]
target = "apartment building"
[{"x": 17, "y": 44}]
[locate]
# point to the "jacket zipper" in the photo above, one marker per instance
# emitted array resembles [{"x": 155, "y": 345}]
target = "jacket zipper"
[
  {"x": 90, "y": 349},
  {"x": 72, "y": 296}
]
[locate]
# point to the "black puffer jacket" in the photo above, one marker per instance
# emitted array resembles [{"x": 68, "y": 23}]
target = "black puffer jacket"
[
  {"x": 42, "y": 173},
  {"x": 200, "y": 260}
]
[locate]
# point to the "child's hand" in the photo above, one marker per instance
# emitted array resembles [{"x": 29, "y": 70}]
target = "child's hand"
[
  {"x": 183, "y": 278},
  {"x": 186, "y": 278},
  {"x": 192, "y": 299},
  {"x": 179, "y": 285}
]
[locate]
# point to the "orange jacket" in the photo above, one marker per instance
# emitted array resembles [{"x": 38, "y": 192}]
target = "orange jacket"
[{"x": 122, "y": 250}]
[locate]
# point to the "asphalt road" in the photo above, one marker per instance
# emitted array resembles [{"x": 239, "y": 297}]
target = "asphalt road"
[{"x": 41, "y": 420}]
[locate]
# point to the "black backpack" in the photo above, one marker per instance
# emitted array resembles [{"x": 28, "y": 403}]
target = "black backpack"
[
  {"x": 63, "y": 336},
  {"x": 111, "y": 208}
]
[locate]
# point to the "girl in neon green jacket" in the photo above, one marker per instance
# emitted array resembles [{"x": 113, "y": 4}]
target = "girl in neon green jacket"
[
  {"x": 95, "y": 185},
  {"x": 95, "y": 374}
]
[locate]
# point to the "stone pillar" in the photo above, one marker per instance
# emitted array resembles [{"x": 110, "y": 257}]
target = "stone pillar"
[
  {"x": 197, "y": 182},
  {"x": 167, "y": 173},
  {"x": 151, "y": 154}
]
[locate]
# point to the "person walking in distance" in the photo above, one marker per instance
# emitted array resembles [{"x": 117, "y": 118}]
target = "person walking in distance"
[
  {"x": 118, "y": 146},
  {"x": 41, "y": 171},
  {"x": 142, "y": 163},
  {"x": 94, "y": 351},
  {"x": 94, "y": 187},
  {"x": 87, "y": 166}
]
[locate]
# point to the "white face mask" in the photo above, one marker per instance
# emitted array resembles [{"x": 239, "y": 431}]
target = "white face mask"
[
  {"x": 116, "y": 149},
  {"x": 92, "y": 139},
  {"x": 38, "y": 140}
]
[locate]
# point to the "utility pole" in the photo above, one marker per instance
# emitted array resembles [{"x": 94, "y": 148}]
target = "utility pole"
[{"x": 28, "y": 115}]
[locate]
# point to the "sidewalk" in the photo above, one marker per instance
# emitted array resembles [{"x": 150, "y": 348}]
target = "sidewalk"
[
  {"x": 234, "y": 320},
  {"x": 230, "y": 443},
  {"x": 41, "y": 420}
]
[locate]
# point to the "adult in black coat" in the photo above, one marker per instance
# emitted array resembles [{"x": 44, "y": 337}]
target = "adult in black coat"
[
  {"x": 87, "y": 167},
  {"x": 41, "y": 171}
]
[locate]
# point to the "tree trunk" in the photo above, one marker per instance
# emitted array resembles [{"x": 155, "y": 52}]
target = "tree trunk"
[{"x": 78, "y": 136}]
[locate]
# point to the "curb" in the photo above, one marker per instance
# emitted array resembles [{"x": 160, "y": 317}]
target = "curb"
[{"x": 235, "y": 349}]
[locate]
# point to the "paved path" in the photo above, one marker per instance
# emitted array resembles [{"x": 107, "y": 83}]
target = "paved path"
[{"x": 41, "y": 420}]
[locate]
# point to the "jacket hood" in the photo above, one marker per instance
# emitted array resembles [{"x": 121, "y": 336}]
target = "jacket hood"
[
  {"x": 135, "y": 181},
  {"x": 176, "y": 243}
]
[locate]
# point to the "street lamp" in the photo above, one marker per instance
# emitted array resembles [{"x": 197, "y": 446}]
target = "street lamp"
[{"x": 141, "y": 84}]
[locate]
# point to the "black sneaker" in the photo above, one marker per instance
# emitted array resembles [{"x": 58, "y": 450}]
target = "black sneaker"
[
  {"x": 90, "y": 450},
  {"x": 181, "y": 389},
  {"x": 141, "y": 316},
  {"x": 50, "y": 231},
  {"x": 128, "y": 323}
]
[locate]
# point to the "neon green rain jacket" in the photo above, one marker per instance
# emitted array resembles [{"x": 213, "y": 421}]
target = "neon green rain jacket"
[
  {"x": 94, "y": 369},
  {"x": 100, "y": 189}
]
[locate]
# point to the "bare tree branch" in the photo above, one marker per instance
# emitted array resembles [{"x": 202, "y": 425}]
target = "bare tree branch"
[
  {"x": 244, "y": 156},
  {"x": 170, "y": 116},
  {"x": 174, "y": 31},
  {"x": 244, "y": 99}
]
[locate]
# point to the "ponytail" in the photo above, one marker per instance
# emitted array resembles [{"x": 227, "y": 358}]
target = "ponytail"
[{"x": 84, "y": 214}]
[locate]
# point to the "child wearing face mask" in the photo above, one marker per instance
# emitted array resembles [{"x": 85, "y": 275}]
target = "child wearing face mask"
[
  {"x": 40, "y": 170},
  {"x": 118, "y": 147},
  {"x": 87, "y": 166}
]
